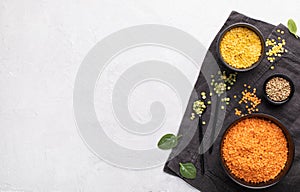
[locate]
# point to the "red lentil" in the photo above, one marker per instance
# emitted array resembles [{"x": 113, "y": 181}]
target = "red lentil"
[{"x": 255, "y": 150}]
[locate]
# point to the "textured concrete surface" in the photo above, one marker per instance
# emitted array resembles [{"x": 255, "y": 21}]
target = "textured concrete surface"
[{"x": 42, "y": 44}]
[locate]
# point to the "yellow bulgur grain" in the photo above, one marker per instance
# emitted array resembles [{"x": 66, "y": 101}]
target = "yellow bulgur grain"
[
  {"x": 240, "y": 47},
  {"x": 255, "y": 150}
]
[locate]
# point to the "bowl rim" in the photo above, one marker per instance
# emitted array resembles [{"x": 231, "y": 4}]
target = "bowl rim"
[
  {"x": 254, "y": 29},
  {"x": 284, "y": 171},
  {"x": 282, "y": 76}
]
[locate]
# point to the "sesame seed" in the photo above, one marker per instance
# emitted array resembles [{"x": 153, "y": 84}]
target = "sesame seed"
[{"x": 278, "y": 89}]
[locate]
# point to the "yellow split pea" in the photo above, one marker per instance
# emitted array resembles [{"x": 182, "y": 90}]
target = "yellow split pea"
[{"x": 240, "y": 47}]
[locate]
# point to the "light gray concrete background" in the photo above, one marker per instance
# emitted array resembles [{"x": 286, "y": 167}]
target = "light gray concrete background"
[{"x": 42, "y": 44}]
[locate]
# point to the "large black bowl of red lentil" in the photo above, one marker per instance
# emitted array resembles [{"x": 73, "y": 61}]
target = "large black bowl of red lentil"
[
  {"x": 256, "y": 151},
  {"x": 241, "y": 47}
]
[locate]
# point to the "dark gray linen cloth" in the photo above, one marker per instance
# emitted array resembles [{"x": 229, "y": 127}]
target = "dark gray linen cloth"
[{"x": 214, "y": 178}]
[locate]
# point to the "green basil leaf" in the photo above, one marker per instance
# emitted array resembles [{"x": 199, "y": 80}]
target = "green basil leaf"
[
  {"x": 168, "y": 141},
  {"x": 188, "y": 170},
  {"x": 292, "y": 27}
]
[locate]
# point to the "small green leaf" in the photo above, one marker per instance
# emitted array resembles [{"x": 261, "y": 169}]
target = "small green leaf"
[
  {"x": 168, "y": 141},
  {"x": 188, "y": 170},
  {"x": 292, "y": 27}
]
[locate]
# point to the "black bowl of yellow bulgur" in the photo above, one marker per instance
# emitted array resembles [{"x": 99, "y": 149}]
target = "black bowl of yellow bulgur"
[
  {"x": 241, "y": 47},
  {"x": 257, "y": 151}
]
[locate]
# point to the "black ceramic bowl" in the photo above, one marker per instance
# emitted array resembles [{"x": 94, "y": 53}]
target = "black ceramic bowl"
[
  {"x": 254, "y": 29},
  {"x": 284, "y": 77},
  {"x": 291, "y": 150}
]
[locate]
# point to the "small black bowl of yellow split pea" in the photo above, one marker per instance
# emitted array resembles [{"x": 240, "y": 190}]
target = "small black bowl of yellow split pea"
[{"x": 241, "y": 47}]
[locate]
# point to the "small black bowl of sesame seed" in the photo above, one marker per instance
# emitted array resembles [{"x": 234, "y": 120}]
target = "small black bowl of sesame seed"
[{"x": 278, "y": 89}]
